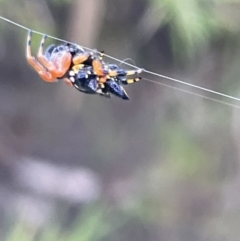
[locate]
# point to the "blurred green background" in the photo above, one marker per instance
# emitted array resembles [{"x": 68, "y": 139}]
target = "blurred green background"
[{"x": 163, "y": 166}]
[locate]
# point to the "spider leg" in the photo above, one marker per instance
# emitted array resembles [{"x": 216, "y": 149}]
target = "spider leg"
[
  {"x": 78, "y": 67},
  {"x": 98, "y": 67},
  {"x": 121, "y": 72},
  {"x": 102, "y": 79},
  {"x": 49, "y": 50},
  {"x": 80, "y": 58},
  {"x": 58, "y": 65},
  {"x": 101, "y": 55},
  {"x": 43, "y": 73},
  {"x": 126, "y": 81},
  {"x": 98, "y": 70},
  {"x": 103, "y": 92},
  {"x": 68, "y": 81}
]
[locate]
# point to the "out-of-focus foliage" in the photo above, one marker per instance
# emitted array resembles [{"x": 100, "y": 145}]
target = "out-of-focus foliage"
[
  {"x": 96, "y": 223},
  {"x": 192, "y": 23},
  {"x": 92, "y": 226}
]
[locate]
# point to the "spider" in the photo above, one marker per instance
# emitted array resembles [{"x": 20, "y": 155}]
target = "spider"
[{"x": 82, "y": 69}]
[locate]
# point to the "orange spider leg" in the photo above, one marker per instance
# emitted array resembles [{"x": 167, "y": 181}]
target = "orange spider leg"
[
  {"x": 78, "y": 59},
  {"x": 59, "y": 65},
  {"x": 98, "y": 67},
  {"x": 43, "y": 73},
  {"x": 68, "y": 81},
  {"x": 102, "y": 79}
]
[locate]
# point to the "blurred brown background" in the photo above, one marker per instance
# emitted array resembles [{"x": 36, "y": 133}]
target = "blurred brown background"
[{"x": 163, "y": 166}]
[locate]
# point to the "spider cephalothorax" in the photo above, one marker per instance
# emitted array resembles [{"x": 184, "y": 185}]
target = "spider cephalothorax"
[{"x": 85, "y": 70}]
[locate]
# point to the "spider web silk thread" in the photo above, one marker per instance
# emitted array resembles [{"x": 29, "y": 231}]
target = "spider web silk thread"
[
  {"x": 147, "y": 71},
  {"x": 193, "y": 93}
]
